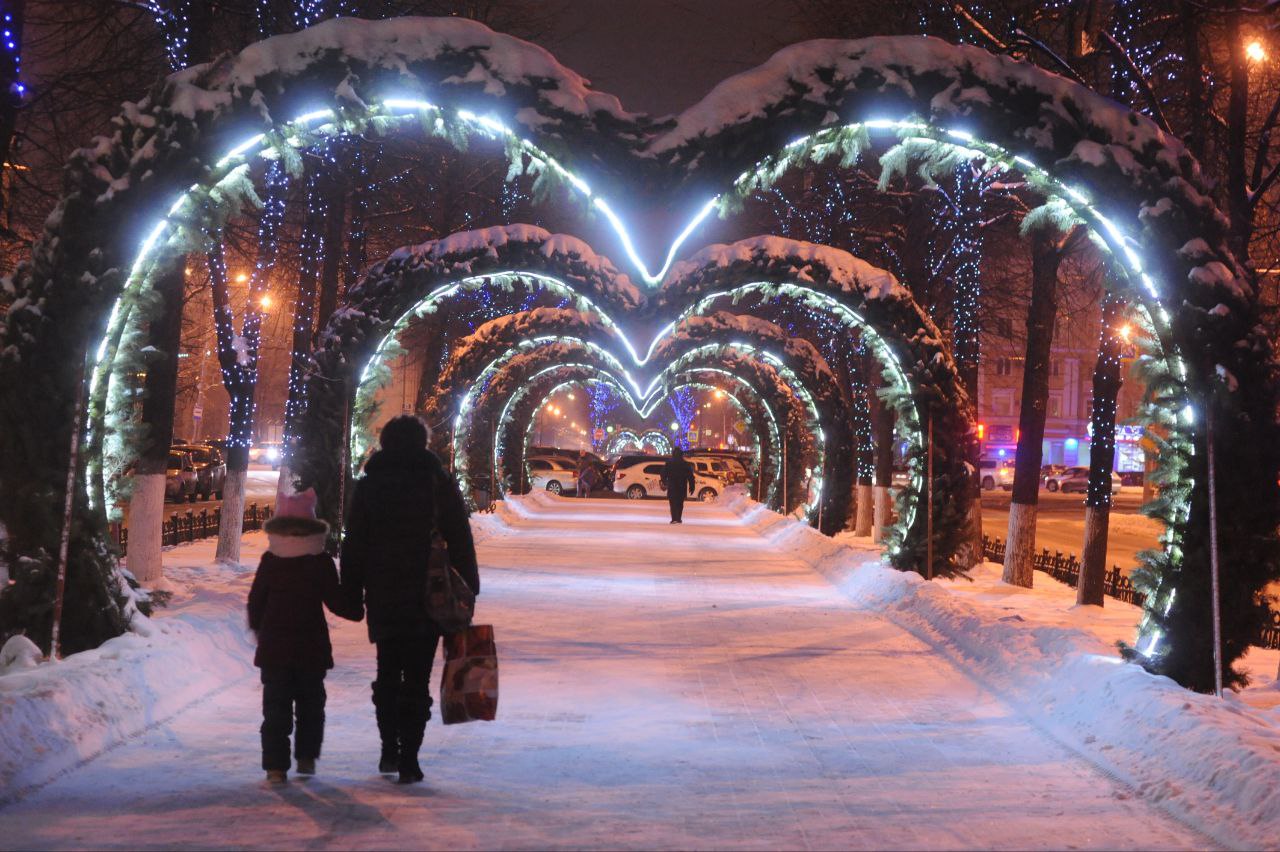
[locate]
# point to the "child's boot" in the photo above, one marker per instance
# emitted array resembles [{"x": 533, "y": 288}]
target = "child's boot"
[
  {"x": 277, "y": 776},
  {"x": 306, "y": 766}
]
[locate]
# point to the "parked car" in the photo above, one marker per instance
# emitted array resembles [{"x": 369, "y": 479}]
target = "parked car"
[
  {"x": 211, "y": 470},
  {"x": 713, "y": 468},
  {"x": 180, "y": 481},
  {"x": 729, "y": 471},
  {"x": 643, "y": 478},
  {"x": 553, "y": 473},
  {"x": 267, "y": 452},
  {"x": 1077, "y": 479},
  {"x": 1049, "y": 470},
  {"x": 995, "y": 472}
]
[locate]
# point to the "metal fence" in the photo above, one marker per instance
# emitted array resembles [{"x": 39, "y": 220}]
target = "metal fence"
[
  {"x": 190, "y": 526},
  {"x": 1067, "y": 569}
]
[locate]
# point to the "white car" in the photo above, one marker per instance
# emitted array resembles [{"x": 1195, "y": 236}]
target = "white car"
[
  {"x": 993, "y": 472},
  {"x": 712, "y": 468},
  {"x": 554, "y": 474},
  {"x": 644, "y": 479}
]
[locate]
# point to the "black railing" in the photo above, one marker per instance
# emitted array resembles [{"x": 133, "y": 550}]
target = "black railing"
[
  {"x": 190, "y": 526},
  {"x": 1067, "y": 569}
]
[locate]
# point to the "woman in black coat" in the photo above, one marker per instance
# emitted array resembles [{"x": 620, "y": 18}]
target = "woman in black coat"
[{"x": 404, "y": 494}]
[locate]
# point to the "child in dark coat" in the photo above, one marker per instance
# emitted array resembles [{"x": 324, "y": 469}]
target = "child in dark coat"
[{"x": 295, "y": 581}]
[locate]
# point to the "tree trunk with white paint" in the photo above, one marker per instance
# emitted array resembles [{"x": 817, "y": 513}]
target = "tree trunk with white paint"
[
  {"x": 146, "y": 521},
  {"x": 1097, "y": 520},
  {"x": 231, "y": 525},
  {"x": 864, "y": 511},
  {"x": 1047, "y": 249},
  {"x": 1019, "y": 557},
  {"x": 882, "y": 419},
  {"x": 146, "y": 507},
  {"x": 880, "y": 524},
  {"x": 1097, "y": 514}
]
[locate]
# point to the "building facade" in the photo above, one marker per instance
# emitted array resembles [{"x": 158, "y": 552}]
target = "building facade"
[{"x": 1067, "y": 439}]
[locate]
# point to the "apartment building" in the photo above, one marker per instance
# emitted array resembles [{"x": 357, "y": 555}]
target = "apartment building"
[{"x": 1067, "y": 438}]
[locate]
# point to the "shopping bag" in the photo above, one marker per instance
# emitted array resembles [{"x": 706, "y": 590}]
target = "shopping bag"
[{"x": 469, "y": 685}]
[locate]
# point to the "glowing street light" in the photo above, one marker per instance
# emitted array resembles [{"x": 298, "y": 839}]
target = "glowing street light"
[
  {"x": 241, "y": 278},
  {"x": 1255, "y": 52},
  {"x": 1125, "y": 331},
  {"x": 265, "y": 302},
  {"x": 675, "y": 427}
]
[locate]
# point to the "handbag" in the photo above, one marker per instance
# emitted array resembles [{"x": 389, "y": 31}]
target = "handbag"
[
  {"x": 469, "y": 683},
  {"x": 450, "y": 602}
]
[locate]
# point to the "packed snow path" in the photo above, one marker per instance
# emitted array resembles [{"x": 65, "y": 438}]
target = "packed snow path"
[{"x": 662, "y": 686}]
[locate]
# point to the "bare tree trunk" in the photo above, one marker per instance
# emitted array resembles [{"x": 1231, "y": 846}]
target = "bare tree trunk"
[
  {"x": 331, "y": 266},
  {"x": 1046, "y": 255},
  {"x": 864, "y": 457},
  {"x": 1239, "y": 203},
  {"x": 357, "y": 236},
  {"x": 1193, "y": 63},
  {"x": 967, "y": 345},
  {"x": 239, "y": 358},
  {"x": 882, "y": 426},
  {"x": 304, "y": 314},
  {"x": 146, "y": 507},
  {"x": 1097, "y": 513}
]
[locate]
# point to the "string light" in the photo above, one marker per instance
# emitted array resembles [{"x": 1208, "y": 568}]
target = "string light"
[
  {"x": 13, "y": 55},
  {"x": 683, "y": 406},
  {"x": 174, "y": 22}
]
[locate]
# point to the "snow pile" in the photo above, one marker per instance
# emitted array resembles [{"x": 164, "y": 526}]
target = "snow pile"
[
  {"x": 498, "y": 62},
  {"x": 57, "y": 715},
  {"x": 1211, "y": 763},
  {"x": 808, "y": 263},
  {"x": 19, "y": 653},
  {"x": 485, "y": 247}
]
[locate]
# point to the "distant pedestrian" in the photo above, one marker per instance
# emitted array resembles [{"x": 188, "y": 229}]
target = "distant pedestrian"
[
  {"x": 677, "y": 476},
  {"x": 588, "y": 476},
  {"x": 295, "y": 580},
  {"x": 403, "y": 496}
]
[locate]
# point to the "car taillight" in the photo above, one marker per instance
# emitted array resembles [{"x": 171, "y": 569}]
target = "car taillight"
[{"x": 620, "y": 476}]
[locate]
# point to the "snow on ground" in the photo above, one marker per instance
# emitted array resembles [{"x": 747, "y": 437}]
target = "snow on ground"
[
  {"x": 58, "y": 715},
  {"x": 1216, "y": 763},
  {"x": 737, "y": 682}
]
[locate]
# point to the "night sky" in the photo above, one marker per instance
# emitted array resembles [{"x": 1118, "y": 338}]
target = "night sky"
[{"x": 660, "y": 56}]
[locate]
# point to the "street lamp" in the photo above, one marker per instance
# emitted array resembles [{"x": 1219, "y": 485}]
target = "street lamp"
[
  {"x": 1255, "y": 52},
  {"x": 265, "y": 302}
]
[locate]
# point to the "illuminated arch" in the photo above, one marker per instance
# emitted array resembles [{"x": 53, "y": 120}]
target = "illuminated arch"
[{"x": 179, "y": 159}]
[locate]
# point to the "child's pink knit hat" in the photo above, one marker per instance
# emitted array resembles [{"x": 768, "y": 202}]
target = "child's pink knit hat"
[{"x": 300, "y": 505}]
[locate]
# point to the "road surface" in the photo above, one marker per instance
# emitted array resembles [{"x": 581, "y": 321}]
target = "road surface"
[
  {"x": 1060, "y": 524},
  {"x": 681, "y": 687}
]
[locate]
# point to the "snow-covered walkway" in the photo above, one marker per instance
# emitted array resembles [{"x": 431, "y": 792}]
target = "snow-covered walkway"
[{"x": 662, "y": 686}]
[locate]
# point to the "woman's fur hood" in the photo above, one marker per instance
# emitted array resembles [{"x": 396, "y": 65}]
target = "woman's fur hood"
[{"x": 289, "y": 536}]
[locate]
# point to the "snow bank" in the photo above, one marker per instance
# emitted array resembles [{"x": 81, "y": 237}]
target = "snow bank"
[
  {"x": 57, "y": 715},
  {"x": 1211, "y": 763}
]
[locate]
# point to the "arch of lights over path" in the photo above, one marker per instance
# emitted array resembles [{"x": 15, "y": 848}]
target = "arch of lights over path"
[
  {"x": 177, "y": 164},
  {"x": 379, "y": 308}
]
